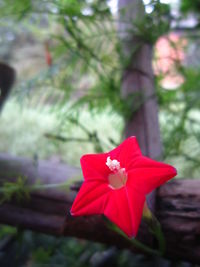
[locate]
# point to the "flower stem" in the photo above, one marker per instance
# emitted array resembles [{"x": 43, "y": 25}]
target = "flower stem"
[{"x": 134, "y": 242}]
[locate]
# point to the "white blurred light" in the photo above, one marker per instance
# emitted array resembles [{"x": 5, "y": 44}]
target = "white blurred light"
[
  {"x": 149, "y": 9},
  {"x": 113, "y": 6},
  {"x": 165, "y": 1},
  {"x": 146, "y": 2},
  {"x": 87, "y": 11},
  {"x": 171, "y": 2}
]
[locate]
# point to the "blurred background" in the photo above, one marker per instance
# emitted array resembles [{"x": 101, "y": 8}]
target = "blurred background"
[{"x": 60, "y": 77}]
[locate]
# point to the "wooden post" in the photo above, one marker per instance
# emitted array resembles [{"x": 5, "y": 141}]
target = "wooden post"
[{"x": 138, "y": 78}]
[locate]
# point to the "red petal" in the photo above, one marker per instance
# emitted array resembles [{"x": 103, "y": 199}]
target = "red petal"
[
  {"x": 124, "y": 208},
  {"x": 91, "y": 198},
  {"x": 148, "y": 174},
  {"x": 126, "y": 152},
  {"x": 94, "y": 166}
]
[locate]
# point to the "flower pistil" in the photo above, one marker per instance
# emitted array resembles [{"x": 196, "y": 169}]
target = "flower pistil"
[{"x": 118, "y": 177}]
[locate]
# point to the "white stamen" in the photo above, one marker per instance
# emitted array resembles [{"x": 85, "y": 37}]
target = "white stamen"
[{"x": 113, "y": 165}]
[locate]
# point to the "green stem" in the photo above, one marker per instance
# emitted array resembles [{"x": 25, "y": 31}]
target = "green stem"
[
  {"x": 156, "y": 230},
  {"x": 134, "y": 242}
]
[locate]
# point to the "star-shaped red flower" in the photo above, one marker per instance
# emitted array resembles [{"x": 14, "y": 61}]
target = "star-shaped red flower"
[{"x": 115, "y": 184}]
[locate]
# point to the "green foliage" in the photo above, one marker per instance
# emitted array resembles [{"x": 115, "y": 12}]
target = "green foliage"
[
  {"x": 41, "y": 255},
  {"x": 17, "y": 9},
  {"x": 180, "y": 123},
  {"x": 155, "y": 24},
  {"x": 43, "y": 250},
  {"x": 17, "y": 189},
  {"x": 188, "y": 6},
  {"x": 7, "y": 231}
]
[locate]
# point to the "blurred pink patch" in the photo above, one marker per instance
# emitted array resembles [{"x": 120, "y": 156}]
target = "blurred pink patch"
[{"x": 169, "y": 54}]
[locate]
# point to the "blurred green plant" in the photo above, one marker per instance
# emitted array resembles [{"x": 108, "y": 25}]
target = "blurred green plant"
[
  {"x": 190, "y": 6},
  {"x": 16, "y": 189}
]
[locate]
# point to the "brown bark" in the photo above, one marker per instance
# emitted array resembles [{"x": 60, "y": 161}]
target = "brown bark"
[
  {"x": 178, "y": 210},
  {"x": 47, "y": 211}
]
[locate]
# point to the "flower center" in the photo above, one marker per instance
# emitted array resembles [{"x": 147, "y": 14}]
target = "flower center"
[{"x": 118, "y": 177}]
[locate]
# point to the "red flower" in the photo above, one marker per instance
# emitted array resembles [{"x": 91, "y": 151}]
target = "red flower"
[{"x": 116, "y": 184}]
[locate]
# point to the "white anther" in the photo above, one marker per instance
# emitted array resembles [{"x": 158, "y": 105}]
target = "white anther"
[{"x": 113, "y": 165}]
